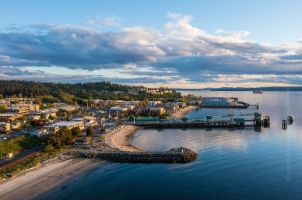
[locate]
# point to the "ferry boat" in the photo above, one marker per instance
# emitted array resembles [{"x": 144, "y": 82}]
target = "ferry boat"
[
  {"x": 222, "y": 102},
  {"x": 257, "y": 91}
]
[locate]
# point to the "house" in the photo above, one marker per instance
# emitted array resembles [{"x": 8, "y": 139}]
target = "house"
[
  {"x": 34, "y": 117},
  {"x": 90, "y": 123},
  {"x": 23, "y": 109},
  {"x": 4, "y": 127},
  {"x": 181, "y": 104},
  {"x": 153, "y": 103},
  {"x": 15, "y": 125},
  {"x": 39, "y": 132},
  {"x": 4, "y": 117},
  {"x": 53, "y": 128}
]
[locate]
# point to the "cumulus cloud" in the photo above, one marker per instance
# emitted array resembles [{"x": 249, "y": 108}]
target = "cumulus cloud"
[
  {"x": 107, "y": 21},
  {"x": 181, "y": 52}
]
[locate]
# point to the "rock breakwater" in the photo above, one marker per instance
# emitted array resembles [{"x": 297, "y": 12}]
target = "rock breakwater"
[{"x": 175, "y": 155}]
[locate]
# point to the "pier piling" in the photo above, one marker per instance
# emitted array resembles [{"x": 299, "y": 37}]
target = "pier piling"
[{"x": 284, "y": 124}]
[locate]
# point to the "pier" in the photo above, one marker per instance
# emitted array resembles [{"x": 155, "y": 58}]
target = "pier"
[
  {"x": 221, "y": 121},
  {"x": 175, "y": 155}
]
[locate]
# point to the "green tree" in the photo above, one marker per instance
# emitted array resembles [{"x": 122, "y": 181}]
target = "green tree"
[
  {"x": 76, "y": 131},
  {"x": 51, "y": 117},
  {"x": 3, "y": 108},
  {"x": 69, "y": 116},
  {"x": 90, "y": 131},
  {"x": 49, "y": 148}
]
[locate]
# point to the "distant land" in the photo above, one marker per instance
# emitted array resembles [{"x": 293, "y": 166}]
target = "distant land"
[{"x": 245, "y": 89}]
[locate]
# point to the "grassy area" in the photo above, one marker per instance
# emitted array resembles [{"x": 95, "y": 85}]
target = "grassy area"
[
  {"x": 30, "y": 163},
  {"x": 26, "y": 164},
  {"x": 19, "y": 144}
]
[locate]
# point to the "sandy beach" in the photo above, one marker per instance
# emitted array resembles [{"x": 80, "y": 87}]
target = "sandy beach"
[
  {"x": 184, "y": 111},
  {"x": 121, "y": 139},
  {"x": 47, "y": 180}
]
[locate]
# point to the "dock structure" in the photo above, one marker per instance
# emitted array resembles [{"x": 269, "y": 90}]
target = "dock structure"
[
  {"x": 175, "y": 155},
  {"x": 221, "y": 121}
]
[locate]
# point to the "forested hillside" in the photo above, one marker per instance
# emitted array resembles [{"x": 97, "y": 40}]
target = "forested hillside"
[{"x": 70, "y": 93}]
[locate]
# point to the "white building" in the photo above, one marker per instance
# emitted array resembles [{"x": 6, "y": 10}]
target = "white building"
[
  {"x": 53, "y": 128},
  {"x": 39, "y": 132}
]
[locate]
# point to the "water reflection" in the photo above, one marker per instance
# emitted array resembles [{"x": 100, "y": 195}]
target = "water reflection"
[{"x": 195, "y": 139}]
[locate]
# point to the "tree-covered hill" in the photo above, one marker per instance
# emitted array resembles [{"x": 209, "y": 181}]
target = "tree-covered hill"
[{"x": 51, "y": 92}]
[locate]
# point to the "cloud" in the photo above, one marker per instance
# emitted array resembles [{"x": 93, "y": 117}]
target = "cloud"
[
  {"x": 233, "y": 34},
  {"x": 180, "y": 53},
  {"x": 174, "y": 15},
  {"x": 107, "y": 21},
  {"x": 299, "y": 41}
]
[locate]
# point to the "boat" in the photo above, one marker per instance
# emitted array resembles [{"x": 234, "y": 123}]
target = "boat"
[
  {"x": 257, "y": 91},
  {"x": 222, "y": 102}
]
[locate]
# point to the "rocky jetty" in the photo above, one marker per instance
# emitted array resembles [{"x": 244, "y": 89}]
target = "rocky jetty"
[{"x": 175, "y": 155}]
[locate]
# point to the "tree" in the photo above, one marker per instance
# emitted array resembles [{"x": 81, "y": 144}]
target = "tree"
[
  {"x": 76, "y": 131},
  {"x": 3, "y": 108},
  {"x": 69, "y": 116},
  {"x": 90, "y": 131},
  {"x": 51, "y": 117},
  {"x": 49, "y": 148}
]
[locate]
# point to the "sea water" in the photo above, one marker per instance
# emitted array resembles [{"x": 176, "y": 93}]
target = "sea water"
[{"x": 232, "y": 164}]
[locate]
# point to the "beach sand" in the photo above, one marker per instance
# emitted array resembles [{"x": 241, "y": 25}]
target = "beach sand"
[
  {"x": 121, "y": 139},
  {"x": 47, "y": 180},
  {"x": 184, "y": 111}
]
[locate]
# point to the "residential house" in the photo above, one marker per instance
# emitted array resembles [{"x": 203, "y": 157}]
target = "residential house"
[
  {"x": 4, "y": 127},
  {"x": 39, "y": 132},
  {"x": 4, "y": 117},
  {"x": 53, "y": 128}
]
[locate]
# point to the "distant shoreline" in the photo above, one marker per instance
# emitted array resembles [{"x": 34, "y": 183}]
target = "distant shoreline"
[{"x": 280, "y": 89}]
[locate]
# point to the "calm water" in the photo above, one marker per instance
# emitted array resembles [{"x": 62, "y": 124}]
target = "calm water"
[{"x": 239, "y": 164}]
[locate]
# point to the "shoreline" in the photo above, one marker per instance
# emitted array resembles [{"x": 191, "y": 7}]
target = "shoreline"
[
  {"x": 121, "y": 139},
  {"x": 183, "y": 112},
  {"x": 47, "y": 180},
  {"x": 51, "y": 178}
]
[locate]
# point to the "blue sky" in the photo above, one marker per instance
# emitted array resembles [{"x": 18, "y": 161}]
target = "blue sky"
[{"x": 183, "y": 44}]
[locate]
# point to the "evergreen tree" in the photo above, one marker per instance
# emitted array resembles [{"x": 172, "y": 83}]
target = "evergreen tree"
[
  {"x": 76, "y": 131},
  {"x": 90, "y": 131}
]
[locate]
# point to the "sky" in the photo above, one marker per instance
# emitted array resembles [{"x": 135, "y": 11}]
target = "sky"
[{"x": 171, "y": 43}]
